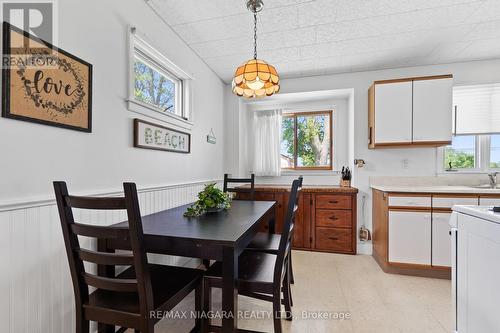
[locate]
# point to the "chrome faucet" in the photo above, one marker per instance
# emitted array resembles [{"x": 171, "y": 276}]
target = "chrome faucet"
[{"x": 493, "y": 179}]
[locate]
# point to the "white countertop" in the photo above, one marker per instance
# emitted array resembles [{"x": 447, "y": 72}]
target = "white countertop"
[
  {"x": 435, "y": 189},
  {"x": 482, "y": 212}
]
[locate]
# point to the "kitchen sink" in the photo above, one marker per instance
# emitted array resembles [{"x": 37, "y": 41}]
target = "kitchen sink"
[{"x": 487, "y": 186}]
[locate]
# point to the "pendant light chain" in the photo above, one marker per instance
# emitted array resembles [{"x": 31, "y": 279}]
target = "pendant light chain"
[
  {"x": 255, "y": 78},
  {"x": 255, "y": 35}
]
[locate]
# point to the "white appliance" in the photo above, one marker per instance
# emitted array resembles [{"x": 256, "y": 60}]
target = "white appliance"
[{"x": 475, "y": 232}]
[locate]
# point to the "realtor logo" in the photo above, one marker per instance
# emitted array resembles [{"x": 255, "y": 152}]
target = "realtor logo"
[{"x": 35, "y": 17}]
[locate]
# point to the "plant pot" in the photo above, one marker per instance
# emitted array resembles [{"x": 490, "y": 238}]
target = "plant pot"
[
  {"x": 345, "y": 183},
  {"x": 214, "y": 210}
]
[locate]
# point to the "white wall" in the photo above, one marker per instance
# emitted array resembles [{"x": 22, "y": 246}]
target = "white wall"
[
  {"x": 388, "y": 162},
  {"x": 34, "y": 280},
  {"x": 96, "y": 31}
]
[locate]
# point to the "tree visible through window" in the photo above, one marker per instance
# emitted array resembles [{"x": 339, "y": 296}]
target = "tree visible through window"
[
  {"x": 154, "y": 87},
  {"x": 307, "y": 140},
  {"x": 462, "y": 153}
]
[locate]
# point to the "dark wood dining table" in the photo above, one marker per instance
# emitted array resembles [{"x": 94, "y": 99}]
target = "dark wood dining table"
[{"x": 219, "y": 236}]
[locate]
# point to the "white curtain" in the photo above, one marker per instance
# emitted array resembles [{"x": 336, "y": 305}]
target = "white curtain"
[{"x": 267, "y": 139}]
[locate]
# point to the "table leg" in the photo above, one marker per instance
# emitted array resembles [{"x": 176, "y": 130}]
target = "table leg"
[
  {"x": 108, "y": 271},
  {"x": 229, "y": 290},
  {"x": 272, "y": 224}
]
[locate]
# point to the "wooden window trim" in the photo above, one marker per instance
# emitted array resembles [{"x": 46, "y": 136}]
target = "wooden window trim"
[{"x": 294, "y": 115}]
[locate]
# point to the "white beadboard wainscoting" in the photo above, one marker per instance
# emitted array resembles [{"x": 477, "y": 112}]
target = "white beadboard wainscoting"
[{"x": 35, "y": 283}]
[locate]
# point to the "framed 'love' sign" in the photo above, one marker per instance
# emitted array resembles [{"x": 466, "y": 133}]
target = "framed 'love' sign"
[{"x": 44, "y": 84}]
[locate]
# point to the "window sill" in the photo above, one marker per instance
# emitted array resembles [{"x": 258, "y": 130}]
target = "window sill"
[
  {"x": 152, "y": 112},
  {"x": 462, "y": 172},
  {"x": 310, "y": 172}
]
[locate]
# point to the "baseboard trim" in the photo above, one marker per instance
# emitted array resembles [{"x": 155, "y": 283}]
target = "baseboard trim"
[{"x": 364, "y": 247}]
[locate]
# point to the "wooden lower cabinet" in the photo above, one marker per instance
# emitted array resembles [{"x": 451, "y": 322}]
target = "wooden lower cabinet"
[
  {"x": 411, "y": 232},
  {"x": 334, "y": 239},
  {"x": 325, "y": 221}
]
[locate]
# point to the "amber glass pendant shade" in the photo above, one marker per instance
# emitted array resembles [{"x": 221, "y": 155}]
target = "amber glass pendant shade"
[{"x": 255, "y": 78}]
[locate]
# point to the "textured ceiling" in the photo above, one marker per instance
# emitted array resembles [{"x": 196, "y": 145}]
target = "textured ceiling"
[{"x": 312, "y": 37}]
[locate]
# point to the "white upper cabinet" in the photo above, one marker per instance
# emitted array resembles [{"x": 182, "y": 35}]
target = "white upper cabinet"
[
  {"x": 410, "y": 112},
  {"x": 432, "y": 110},
  {"x": 393, "y": 112}
]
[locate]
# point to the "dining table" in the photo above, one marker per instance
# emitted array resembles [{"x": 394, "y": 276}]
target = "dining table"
[{"x": 220, "y": 236}]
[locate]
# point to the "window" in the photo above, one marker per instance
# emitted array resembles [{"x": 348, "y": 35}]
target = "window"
[
  {"x": 475, "y": 153},
  {"x": 307, "y": 141},
  {"x": 476, "y": 109},
  {"x": 157, "y": 87},
  {"x": 461, "y": 154},
  {"x": 494, "y": 151},
  {"x": 476, "y": 122}
]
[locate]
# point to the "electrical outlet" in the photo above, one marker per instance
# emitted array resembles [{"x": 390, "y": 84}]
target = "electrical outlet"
[{"x": 404, "y": 163}]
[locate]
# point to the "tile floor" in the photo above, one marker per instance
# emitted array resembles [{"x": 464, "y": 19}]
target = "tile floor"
[{"x": 375, "y": 301}]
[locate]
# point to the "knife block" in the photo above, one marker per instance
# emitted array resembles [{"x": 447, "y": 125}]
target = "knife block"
[{"x": 345, "y": 183}]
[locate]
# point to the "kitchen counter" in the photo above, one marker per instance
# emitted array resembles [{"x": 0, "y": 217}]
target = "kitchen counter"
[
  {"x": 435, "y": 189},
  {"x": 482, "y": 212},
  {"x": 306, "y": 188}
]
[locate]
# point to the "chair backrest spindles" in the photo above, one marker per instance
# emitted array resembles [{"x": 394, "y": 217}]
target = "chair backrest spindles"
[
  {"x": 288, "y": 228},
  {"x": 240, "y": 181},
  {"x": 137, "y": 243},
  {"x": 132, "y": 235},
  {"x": 80, "y": 289}
]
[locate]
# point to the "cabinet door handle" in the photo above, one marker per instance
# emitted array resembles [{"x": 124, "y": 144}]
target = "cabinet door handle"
[
  {"x": 333, "y": 201},
  {"x": 333, "y": 238},
  {"x": 333, "y": 218}
]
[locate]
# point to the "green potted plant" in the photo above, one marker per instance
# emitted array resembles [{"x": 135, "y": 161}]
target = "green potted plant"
[{"x": 210, "y": 200}]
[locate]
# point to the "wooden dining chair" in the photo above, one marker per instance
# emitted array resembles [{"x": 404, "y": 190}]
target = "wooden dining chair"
[
  {"x": 128, "y": 299},
  {"x": 269, "y": 243},
  {"x": 246, "y": 193},
  {"x": 261, "y": 275}
]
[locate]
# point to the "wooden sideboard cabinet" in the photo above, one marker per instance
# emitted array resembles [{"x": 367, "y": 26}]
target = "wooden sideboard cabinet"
[{"x": 326, "y": 220}]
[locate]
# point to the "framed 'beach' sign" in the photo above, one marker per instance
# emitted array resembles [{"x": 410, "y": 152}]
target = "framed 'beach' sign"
[
  {"x": 44, "y": 84},
  {"x": 151, "y": 136}
]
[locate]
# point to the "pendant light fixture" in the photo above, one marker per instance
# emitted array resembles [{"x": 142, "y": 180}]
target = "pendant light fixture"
[{"x": 255, "y": 78}]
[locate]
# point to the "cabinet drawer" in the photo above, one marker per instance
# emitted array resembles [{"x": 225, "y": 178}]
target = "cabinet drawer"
[
  {"x": 333, "y": 218},
  {"x": 333, "y": 201},
  {"x": 448, "y": 202},
  {"x": 334, "y": 239},
  {"x": 409, "y": 201}
]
